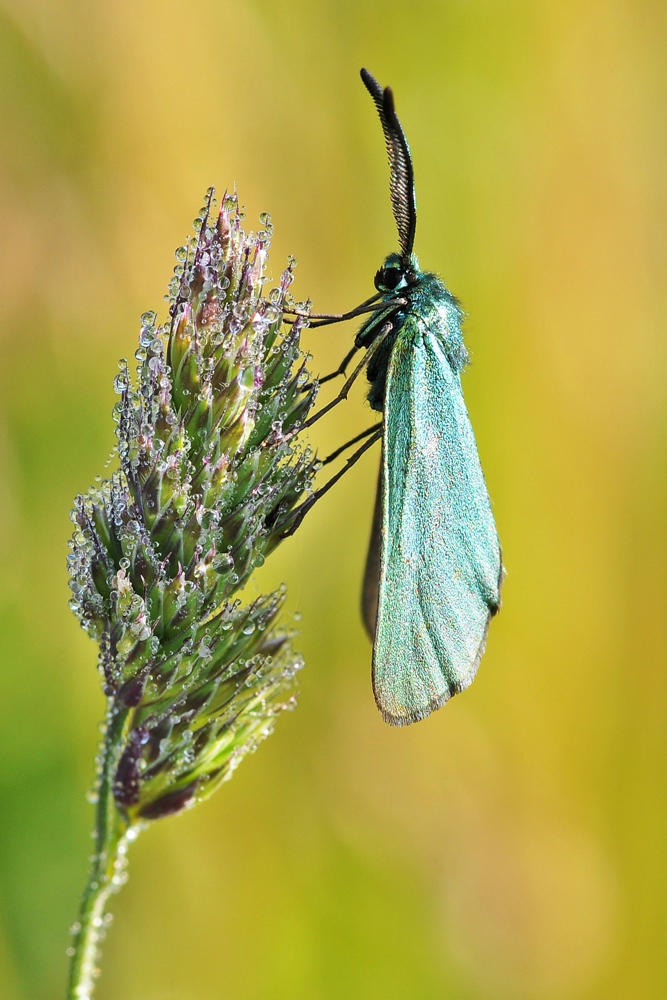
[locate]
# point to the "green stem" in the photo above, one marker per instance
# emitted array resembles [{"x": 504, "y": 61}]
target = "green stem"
[{"x": 111, "y": 834}]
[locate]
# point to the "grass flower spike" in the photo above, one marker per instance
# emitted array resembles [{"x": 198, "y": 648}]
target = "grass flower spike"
[{"x": 211, "y": 470}]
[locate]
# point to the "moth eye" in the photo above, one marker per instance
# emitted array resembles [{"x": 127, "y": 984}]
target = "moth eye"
[{"x": 388, "y": 277}]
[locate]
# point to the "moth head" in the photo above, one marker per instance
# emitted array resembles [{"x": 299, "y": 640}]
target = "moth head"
[{"x": 394, "y": 275}]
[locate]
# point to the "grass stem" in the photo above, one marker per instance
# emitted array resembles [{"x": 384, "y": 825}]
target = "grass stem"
[{"x": 106, "y": 873}]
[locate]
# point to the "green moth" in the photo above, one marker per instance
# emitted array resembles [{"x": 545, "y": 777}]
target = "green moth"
[{"x": 434, "y": 567}]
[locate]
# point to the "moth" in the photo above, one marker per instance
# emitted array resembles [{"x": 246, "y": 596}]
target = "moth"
[{"x": 434, "y": 569}]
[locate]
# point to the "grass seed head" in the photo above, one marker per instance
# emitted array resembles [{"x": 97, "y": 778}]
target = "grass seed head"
[{"x": 210, "y": 467}]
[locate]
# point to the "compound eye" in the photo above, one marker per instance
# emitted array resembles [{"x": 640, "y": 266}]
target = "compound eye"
[{"x": 388, "y": 277}]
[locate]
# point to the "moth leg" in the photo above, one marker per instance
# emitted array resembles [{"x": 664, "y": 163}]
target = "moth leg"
[
  {"x": 300, "y": 512},
  {"x": 338, "y": 317},
  {"x": 351, "y": 380},
  {"x": 348, "y": 444},
  {"x": 378, "y": 307},
  {"x": 326, "y": 319},
  {"x": 382, "y": 312},
  {"x": 368, "y": 328},
  {"x": 342, "y": 367}
]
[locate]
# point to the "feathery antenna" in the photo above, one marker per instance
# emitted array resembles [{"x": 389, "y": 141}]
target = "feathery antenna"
[{"x": 401, "y": 183}]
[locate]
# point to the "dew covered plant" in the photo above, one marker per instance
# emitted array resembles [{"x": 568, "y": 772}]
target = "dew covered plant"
[{"x": 210, "y": 474}]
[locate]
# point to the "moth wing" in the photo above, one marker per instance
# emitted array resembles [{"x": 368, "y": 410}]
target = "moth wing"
[{"x": 440, "y": 567}]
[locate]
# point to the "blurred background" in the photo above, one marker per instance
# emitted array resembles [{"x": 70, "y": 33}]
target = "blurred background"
[{"x": 514, "y": 845}]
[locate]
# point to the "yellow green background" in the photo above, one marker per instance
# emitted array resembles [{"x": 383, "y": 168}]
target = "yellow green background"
[{"x": 513, "y": 846}]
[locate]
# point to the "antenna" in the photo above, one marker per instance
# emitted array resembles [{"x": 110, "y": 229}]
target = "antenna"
[{"x": 401, "y": 182}]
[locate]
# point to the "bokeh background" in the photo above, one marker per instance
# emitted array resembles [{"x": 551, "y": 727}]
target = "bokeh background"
[{"x": 515, "y": 844}]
